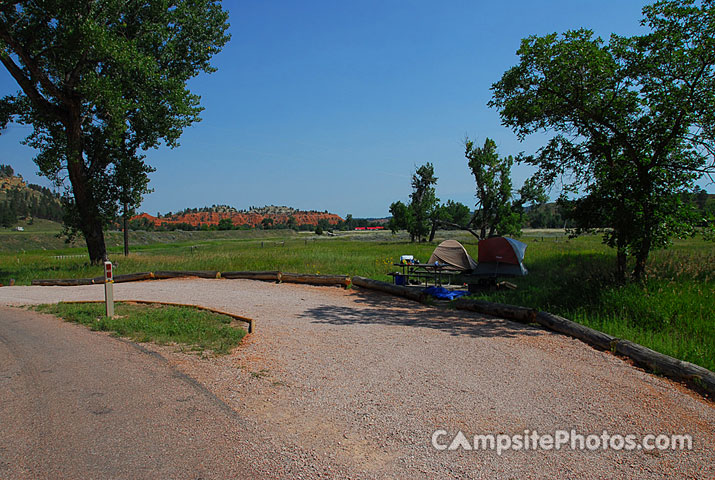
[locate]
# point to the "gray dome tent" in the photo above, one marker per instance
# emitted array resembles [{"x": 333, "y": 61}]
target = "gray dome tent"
[{"x": 452, "y": 254}]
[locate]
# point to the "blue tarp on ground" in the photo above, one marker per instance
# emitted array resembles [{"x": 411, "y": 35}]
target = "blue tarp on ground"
[{"x": 443, "y": 293}]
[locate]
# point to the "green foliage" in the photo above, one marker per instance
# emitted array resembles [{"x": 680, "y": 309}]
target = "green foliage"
[
  {"x": 160, "y": 324},
  {"x": 400, "y": 217},
  {"x": 449, "y": 215},
  {"x": 423, "y": 201},
  {"x": 225, "y": 224},
  {"x": 634, "y": 122},
  {"x": 453, "y": 212},
  {"x": 495, "y": 214},
  {"x": 8, "y": 215},
  {"x": 417, "y": 217},
  {"x": 292, "y": 223},
  {"x": 99, "y": 82},
  {"x": 6, "y": 171},
  {"x": 267, "y": 223},
  {"x": 324, "y": 224}
]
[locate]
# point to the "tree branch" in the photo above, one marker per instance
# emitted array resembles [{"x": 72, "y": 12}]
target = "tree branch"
[
  {"x": 461, "y": 227},
  {"x": 28, "y": 87},
  {"x": 29, "y": 62}
]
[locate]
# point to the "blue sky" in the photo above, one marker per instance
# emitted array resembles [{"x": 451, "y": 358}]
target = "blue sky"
[{"x": 330, "y": 105}]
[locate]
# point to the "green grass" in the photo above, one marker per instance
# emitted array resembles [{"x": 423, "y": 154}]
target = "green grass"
[
  {"x": 199, "y": 330},
  {"x": 671, "y": 311}
]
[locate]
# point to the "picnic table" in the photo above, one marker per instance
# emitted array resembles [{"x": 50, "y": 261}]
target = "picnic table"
[{"x": 423, "y": 273}]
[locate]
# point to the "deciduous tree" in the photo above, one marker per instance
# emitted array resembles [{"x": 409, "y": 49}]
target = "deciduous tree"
[
  {"x": 423, "y": 201},
  {"x": 494, "y": 214},
  {"x": 634, "y": 119},
  {"x": 99, "y": 81}
]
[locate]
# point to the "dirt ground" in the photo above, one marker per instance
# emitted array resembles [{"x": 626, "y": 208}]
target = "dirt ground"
[{"x": 361, "y": 381}]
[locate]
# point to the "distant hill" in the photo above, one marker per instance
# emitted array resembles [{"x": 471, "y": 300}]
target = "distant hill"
[
  {"x": 251, "y": 218},
  {"x": 19, "y": 200}
]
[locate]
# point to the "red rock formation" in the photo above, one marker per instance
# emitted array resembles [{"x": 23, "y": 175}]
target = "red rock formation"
[{"x": 252, "y": 219}]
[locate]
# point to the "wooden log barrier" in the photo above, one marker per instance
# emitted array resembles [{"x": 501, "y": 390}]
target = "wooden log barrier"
[
  {"x": 62, "y": 282},
  {"x": 575, "y": 330},
  {"x": 511, "y": 312},
  {"x": 188, "y": 273},
  {"x": 315, "y": 279},
  {"x": 666, "y": 365},
  {"x": 274, "y": 276},
  {"x": 129, "y": 277},
  {"x": 412, "y": 293}
]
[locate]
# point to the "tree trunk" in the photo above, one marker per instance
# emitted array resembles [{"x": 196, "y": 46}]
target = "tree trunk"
[
  {"x": 90, "y": 222},
  {"x": 642, "y": 258},
  {"x": 432, "y": 232},
  {"x": 621, "y": 260},
  {"x": 94, "y": 238},
  {"x": 126, "y": 230}
]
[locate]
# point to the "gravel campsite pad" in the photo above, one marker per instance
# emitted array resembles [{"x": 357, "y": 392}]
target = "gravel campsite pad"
[{"x": 355, "y": 383}]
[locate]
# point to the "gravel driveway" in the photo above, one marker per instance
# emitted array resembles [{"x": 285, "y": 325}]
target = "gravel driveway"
[{"x": 359, "y": 381}]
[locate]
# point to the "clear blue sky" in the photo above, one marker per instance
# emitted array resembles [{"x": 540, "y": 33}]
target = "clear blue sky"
[{"x": 329, "y": 105}]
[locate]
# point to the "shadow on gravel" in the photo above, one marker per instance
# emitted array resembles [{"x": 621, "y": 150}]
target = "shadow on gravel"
[{"x": 382, "y": 309}]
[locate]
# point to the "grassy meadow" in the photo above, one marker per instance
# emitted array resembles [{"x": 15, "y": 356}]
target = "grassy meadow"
[{"x": 672, "y": 311}]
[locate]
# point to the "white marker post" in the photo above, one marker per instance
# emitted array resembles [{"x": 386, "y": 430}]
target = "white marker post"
[{"x": 109, "y": 289}]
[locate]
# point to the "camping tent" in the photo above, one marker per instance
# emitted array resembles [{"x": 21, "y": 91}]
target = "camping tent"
[
  {"x": 501, "y": 256},
  {"x": 452, "y": 254}
]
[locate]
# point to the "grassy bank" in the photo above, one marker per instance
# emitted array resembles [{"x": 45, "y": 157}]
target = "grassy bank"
[
  {"x": 198, "y": 330},
  {"x": 671, "y": 312}
]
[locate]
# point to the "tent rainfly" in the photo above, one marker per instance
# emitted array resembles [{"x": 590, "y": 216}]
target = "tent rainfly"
[
  {"x": 453, "y": 254},
  {"x": 501, "y": 256}
]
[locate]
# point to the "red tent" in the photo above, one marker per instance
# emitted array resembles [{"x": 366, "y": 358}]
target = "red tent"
[{"x": 501, "y": 256}]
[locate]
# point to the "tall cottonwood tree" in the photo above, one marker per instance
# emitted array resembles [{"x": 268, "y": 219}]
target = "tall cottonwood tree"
[
  {"x": 99, "y": 81},
  {"x": 423, "y": 200},
  {"x": 416, "y": 217},
  {"x": 634, "y": 120},
  {"x": 492, "y": 174}
]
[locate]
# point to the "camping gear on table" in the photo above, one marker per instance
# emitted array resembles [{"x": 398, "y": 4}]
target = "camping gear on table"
[{"x": 407, "y": 259}]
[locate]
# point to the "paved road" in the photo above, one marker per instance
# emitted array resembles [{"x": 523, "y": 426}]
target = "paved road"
[{"x": 75, "y": 404}]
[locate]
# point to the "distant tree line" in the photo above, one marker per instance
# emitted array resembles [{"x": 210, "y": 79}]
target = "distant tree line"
[{"x": 267, "y": 223}]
